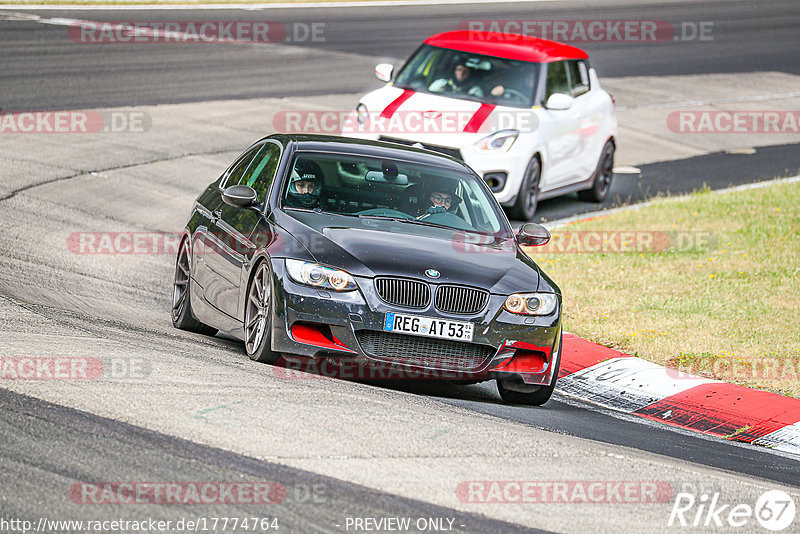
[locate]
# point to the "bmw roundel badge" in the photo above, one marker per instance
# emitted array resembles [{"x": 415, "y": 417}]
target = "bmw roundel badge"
[{"x": 432, "y": 273}]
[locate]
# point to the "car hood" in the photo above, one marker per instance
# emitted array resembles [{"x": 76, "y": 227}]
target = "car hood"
[
  {"x": 369, "y": 248},
  {"x": 444, "y": 111}
]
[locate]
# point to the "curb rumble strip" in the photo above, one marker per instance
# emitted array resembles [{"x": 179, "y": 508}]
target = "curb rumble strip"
[{"x": 616, "y": 380}]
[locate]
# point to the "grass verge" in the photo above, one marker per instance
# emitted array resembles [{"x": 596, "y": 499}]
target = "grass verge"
[{"x": 708, "y": 283}]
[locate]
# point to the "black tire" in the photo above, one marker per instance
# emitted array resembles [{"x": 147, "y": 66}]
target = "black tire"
[
  {"x": 528, "y": 197},
  {"x": 534, "y": 398},
  {"x": 603, "y": 177},
  {"x": 258, "y": 316},
  {"x": 182, "y": 316}
]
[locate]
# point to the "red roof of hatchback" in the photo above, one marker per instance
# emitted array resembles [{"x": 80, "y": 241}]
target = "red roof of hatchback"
[{"x": 506, "y": 45}]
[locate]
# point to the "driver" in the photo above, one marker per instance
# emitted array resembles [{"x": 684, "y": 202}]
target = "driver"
[
  {"x": 442, "y": 198},
  {"x": 305, "y": 185},
  {"x": 459, "y": 82}
]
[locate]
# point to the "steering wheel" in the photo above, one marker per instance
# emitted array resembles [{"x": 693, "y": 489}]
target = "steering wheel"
[
  {"x": 511, "y": 94},
  {"x": 448, "y": 219},
  {"x": 385, "y": 212}
]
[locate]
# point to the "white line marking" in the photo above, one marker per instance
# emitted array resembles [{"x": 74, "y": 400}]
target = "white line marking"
[
  {"x": 120, "y": 29},
  {"x": 299, "y": 5}
]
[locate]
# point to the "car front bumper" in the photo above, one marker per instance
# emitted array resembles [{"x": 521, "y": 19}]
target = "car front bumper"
[{"x": 515, "y": 345}]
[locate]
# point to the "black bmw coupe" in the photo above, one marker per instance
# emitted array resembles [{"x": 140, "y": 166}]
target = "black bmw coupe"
[{"x": 328, "y": 249}]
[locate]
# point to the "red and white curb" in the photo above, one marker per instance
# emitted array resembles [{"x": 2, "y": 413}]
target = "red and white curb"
[{"x": 635, "y": 386}]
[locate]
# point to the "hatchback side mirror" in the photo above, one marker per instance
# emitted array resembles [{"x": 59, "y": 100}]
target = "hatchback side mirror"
[
  {"x": 559, "y": 101},
  {"x": 532, "y": 235},
  {"x": 383, "y": 72},
  {"x": 240, "y": 196}
]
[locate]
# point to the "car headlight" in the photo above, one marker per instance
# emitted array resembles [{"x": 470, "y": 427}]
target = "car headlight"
[
  {"x": 362, "y": 115},
  {"x": 316, "y": 275},
  {"x": 531, "y": 303},
  {"x": 497, "y": 142}
]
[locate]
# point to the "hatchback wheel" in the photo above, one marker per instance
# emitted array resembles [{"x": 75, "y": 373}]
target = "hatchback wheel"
[
  {"x": 603, "y": 177},
  {"x": 528, "y": 196}
]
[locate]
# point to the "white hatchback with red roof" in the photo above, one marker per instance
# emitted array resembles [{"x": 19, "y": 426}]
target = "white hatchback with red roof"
[{"x": 527, "y": 114}]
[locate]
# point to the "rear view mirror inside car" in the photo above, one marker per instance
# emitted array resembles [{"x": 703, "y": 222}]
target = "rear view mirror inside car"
[{"x": 384, "y": 178}]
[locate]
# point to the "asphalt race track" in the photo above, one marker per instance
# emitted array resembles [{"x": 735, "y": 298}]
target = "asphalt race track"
[
  {"x": 40, "y": 70},
  {"x": 178, "y": 407}
]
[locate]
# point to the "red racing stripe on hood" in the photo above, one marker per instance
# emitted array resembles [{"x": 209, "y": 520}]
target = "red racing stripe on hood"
[
  {"x": 396, "y": 103},
  {"x": 479, "y": 118}
]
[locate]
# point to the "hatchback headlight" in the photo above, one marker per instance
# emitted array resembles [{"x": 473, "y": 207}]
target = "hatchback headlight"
[
  {"x": 531, "y": 303},
  {"x": 319, "y": 276},
  {"x": 497, "y": 142}
]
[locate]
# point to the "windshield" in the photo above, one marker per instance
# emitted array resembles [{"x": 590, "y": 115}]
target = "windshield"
[
  {"x": 362, "y": 186},
  {"x": 486, "y": 79}
]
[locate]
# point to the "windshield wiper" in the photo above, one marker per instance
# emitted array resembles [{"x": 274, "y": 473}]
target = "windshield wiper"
[
  {"x": 410, "y": 221},
  {"x": 304, "y": 210}
]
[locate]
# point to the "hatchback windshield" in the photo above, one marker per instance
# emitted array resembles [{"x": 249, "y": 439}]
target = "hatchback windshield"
[
  {"x": 361, "y": 186},
  {"x": 457, "y": 74}
]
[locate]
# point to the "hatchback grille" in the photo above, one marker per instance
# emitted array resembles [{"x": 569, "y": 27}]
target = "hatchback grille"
[
  {"x": 460, "y": 299},
  {"x": 402, "y": 292},
  {"x": 424, "y": 352}
]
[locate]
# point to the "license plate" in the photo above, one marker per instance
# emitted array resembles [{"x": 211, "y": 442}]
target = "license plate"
[{"x": 418, "y": 325}]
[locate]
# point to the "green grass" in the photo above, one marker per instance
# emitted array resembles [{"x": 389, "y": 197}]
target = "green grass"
[{"x": 729, "y": 309}]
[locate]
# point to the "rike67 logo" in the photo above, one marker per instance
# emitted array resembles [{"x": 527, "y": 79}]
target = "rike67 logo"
[{"x": 774, "y": 510}]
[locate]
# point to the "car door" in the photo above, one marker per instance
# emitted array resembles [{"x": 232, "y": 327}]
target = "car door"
[
  {"x": 234, "y": 228},
  {"x": 213, "y": 280},
  {"x": 561, "y": 130},
  {"x": 203, "y": 237},
  {"x": 590, "y": 114}
]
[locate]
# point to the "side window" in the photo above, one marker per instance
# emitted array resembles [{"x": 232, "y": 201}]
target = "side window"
[
  {"x": 578, "y": 76},
  {"x": 557, "y": 81},
  {"x": 238, "y": 169},
  {"x": 261, "y": 172}
]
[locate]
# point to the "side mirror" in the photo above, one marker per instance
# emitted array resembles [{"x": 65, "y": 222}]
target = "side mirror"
[
  {"x": 240, "y": 196},
  {"x": 532, "y": 235},
  {"x": 383, "y": 72},
  {"x": 559, "y": 101}
]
